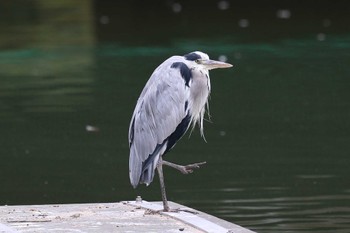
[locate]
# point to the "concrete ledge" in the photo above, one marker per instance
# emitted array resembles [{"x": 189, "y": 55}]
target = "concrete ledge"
[
  {"x": 192, "y": 217},
  {"x": 127, "y": 216}
]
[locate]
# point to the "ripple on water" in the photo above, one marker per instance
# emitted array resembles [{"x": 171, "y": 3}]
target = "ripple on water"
[{"x": 289, "y": 213}]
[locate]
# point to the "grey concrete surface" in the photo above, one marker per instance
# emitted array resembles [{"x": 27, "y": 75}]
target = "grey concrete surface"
[{"x": 128, "y": 216}]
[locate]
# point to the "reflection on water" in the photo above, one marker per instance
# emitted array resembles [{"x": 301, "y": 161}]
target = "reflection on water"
[
  {"x": 319, "y": 213},
  {"x": 277, "y": 150},
  {"x": 274, "y": 212},
  {"x": 53, "y": 80}
]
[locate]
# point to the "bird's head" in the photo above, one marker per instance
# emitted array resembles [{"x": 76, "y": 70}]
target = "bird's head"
[{"x": 201, "y": 60}]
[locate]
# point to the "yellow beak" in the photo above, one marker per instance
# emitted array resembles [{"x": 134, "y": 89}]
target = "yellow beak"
[{"x": 212, "y": 64}]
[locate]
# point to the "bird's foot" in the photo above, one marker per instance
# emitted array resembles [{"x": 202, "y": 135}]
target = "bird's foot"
[
  {"x": 177, "y": 210},
  {"x": 184, "y": 169},
  {"x": 171, "y": 210},
  {"x": 167, "y": 210},
  {"x": 187, "y": 169}
]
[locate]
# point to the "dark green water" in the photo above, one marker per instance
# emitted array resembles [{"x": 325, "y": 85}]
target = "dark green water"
[{"x": 277, "y": 146}]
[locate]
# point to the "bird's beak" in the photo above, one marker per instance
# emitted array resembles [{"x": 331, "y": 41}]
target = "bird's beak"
[{"x": 212, "y": 64}]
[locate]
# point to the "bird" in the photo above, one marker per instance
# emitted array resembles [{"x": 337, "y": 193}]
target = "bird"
[{"x": 174, "y": 99}]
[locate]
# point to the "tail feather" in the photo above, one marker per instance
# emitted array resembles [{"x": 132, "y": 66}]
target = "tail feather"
[
  {"x": 142, "y": 172},
  {"x": 134, "y": 167},
  {"x": 148, "y": 172}
]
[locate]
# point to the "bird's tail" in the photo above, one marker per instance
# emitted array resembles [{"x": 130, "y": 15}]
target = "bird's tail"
[
  {"x": 147, "y": 174},
  {"x": 142, "y": 172}
]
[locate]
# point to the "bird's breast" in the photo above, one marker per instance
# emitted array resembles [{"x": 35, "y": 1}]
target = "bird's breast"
[{"x": 199, "y": 92}]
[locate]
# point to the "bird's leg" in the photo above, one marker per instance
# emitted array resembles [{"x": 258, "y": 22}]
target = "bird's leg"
[
  {"x": 184, "y": 169},
  {"x": 162, "y": 186}
]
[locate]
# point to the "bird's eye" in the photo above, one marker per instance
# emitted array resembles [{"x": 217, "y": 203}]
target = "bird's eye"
[{"x": 198, "y": 61}]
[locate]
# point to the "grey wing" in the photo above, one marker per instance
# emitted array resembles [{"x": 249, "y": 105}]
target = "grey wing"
[{"x": 159, "y": 110}]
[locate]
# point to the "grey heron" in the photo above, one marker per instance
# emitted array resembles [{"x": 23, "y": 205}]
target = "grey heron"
[{"x": 174, "y": 98}]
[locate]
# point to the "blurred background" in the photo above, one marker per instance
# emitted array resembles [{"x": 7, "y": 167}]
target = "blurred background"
[{"x": 278, "y": 142}]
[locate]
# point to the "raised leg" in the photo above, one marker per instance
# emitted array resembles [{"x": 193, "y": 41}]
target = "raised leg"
[
  {"x": 162, "y": 185},
  {"x": 183, "y": 169},
  {"x": 186, "y": 169}
]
